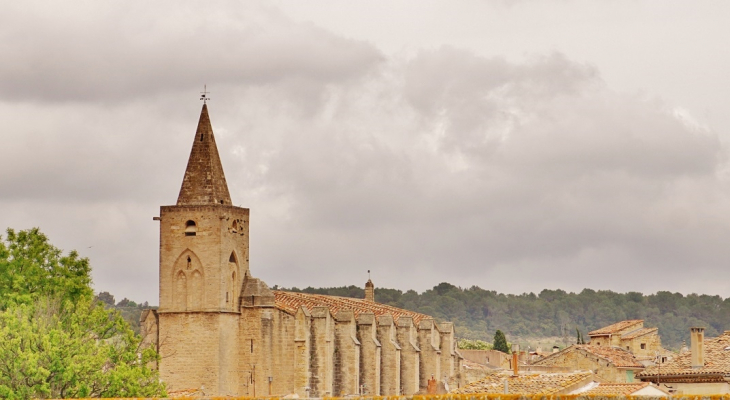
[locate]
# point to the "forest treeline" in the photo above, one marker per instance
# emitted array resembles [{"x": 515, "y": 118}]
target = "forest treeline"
[{"x": 477, "y": 313}]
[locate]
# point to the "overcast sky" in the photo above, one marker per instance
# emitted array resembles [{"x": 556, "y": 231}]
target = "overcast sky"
[{"x": 514, "y": 145}]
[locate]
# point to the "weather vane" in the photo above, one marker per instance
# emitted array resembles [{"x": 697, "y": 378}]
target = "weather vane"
[{"x": 204, "y": 94}]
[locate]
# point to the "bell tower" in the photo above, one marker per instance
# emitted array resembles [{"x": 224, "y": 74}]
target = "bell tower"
[{"x": 203, "y": 259}]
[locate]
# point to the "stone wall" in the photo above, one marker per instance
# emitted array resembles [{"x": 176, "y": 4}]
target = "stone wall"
[
  {"x": 390, "y": 357},
  {"x": 578, "y": 360},
  {"x": 651, "y": 341},
  {"x": 195, "y": 351},
  {"x": 407, "y": 336},
  {"x": 346, "y": 355},
  {"x": 370, "y": 355},
  {"x": 429, "y": 342}
]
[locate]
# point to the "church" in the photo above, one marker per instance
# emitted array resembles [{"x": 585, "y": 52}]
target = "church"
[{"x": 223, "y": 332}]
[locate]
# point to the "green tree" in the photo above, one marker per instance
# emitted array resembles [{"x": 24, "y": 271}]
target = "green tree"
[
  {"x": 467, "y": 344},
  {"x": 500, "y": 342},
  {"x": 52, "y": 349},
  {"x": 107, "y": 298},
  {"x": 31, "y": 267},
  {"x": 57, "y": 340}
]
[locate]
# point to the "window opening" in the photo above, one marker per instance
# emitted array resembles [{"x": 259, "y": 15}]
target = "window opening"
[
  {"x": 189, "y": 262},
  {"x": 226, "y": 297},
  {"x": 202, "y": 137},
  {"x": 251, "y": 345},
  {"x": 190, "y": 228},
  {"x": 643, "y": 346}
]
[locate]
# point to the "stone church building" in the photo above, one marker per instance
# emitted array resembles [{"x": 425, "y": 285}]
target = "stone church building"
[{"x": 222, "y": 331}]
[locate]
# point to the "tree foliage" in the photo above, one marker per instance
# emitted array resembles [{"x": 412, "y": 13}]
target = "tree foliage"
[
  {"x": 31, "y": 267},
  {"x": 58, "y": 341},
  {"x": 468, "y": 344},
  {"x": 478, "y": 312},
  {"x": 52, "y": 349},
  {"x": 500, "y": 342}
]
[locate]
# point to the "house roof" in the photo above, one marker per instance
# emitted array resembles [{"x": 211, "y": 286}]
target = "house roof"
[
  {"x": 290, "y": 302},
  {"x": 614, "y": 328},
  {"x": 615, "y": 389},
  {"x": 637, "y": 333},
  {"x": 553, "y": 383},
  {"x": 717, "y": 361},
  {"x": 617, "y": 356}
]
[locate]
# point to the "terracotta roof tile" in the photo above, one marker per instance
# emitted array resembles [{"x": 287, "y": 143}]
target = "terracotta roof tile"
[
  {"x": 638, "y": 332},
  {"x": 615, "y": 389},
  {"x": 717, "y": 361},
  {"x": 617, "y": 327},
  {"x": 615, "y": 355},
  {"x": 290, "y": 302},
  {"x": 553, "y": 383}
]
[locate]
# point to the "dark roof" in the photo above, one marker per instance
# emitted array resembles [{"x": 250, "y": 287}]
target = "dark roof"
[{"x": 204, "y": 182}]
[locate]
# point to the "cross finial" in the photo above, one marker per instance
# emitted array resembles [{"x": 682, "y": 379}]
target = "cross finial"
[{"x": 204, "y": 94}]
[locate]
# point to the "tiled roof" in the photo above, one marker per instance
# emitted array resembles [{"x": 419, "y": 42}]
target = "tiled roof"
[
  {"x": 617, "y": 327},
  {"x": 527, "y": 384},
  {"x": 637, "y": 333},
  {"x": 290, "y": 302},
  {"x": 717, "y": 361},
  {"x": 615, "y": 389},
  {"x": 615, "y": 355}
]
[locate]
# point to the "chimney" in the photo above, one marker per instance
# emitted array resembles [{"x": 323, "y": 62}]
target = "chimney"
[
  {"x": 556, "y": 349},
  {"x": 369, "y": 291},
  {"x": 515, "y": 359},
  {"x": 697, "y": 346}
]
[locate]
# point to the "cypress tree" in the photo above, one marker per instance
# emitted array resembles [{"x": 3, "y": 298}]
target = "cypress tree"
[{"x": 500, "y": 342}]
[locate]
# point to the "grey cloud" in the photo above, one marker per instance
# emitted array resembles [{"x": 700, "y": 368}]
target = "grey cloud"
[
  {"x": 444, "y": 166},
  {"x": 102, "y": 53},
  {"x": 572, "y": 184}
]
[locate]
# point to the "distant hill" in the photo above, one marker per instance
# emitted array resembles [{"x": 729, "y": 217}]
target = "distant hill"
[
  {"x": 530, "y": 319},
  {"x": 130, "y": 310}
]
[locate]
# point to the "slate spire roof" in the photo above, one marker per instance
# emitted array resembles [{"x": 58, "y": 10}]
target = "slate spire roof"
[{"x": 204, "y": 182}]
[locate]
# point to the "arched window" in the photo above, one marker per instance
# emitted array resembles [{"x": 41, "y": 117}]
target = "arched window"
[{"x": 190, "y": 228}]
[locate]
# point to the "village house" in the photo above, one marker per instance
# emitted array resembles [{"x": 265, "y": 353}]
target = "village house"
[
  {"x": 644, "y": 343},
  {"x": 610, "y": 364},
  {"x": 705, "y": 369},
  {"x": 222, "y": 332}
]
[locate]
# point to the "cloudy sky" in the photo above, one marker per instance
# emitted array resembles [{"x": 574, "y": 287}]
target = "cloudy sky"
[{"x": 514, "y": 145}]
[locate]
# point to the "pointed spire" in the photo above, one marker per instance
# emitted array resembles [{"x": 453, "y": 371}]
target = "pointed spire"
[{"x": 204, "y": 182}]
